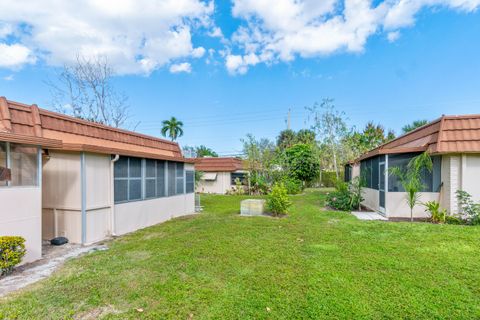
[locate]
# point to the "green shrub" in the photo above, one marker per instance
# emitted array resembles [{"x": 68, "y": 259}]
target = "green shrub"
[
  {"x": 293, "y": 186},
  {"x": 470, "y": 209},
  {"x": 346, "y": 197},
  {"x": 12, "y": 250},
  {"x": 329, "y": 179},
  {"x": 277, "y": 200},
  {"x": 437, "y": 215},
  {"x": 453, "y": 220}
]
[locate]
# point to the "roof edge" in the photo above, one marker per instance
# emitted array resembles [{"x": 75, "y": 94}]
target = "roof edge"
[{"x": 90, "y": 123}]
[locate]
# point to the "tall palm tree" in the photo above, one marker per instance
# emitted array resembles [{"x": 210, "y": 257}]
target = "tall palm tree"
[{"x": 173, "y": 127}]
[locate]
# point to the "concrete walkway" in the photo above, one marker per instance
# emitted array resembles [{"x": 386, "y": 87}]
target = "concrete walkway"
[
  {"x": 363, "y": 215},
  {"x": 52, "y": 259}
]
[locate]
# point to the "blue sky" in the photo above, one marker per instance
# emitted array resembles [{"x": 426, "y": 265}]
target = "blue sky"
[{"x": 418, "y": 64}]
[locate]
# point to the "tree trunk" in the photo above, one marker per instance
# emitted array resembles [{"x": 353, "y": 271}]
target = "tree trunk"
[
  {"x": 335, "y": 163},
  {"x": 411, "y": 214}
]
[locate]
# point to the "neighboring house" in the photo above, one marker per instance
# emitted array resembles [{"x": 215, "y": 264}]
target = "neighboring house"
[
  {"x": 219, "y": 174},
  {"x": 63, "y": 176},
  {"x": 454, "y": 145}
]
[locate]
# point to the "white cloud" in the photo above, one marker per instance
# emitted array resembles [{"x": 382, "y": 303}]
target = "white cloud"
[
  {"x": 198, "y": 52},
  {"x": 393, "y": 36},
  {"x": 14, "y": 56},
  {"x": 281, "y": 30},
  {"x": 181, "y": 67},
  {"x": 216, "y": 32},
  {"x": 10, "y": 77},
  {"x": 6, "y": 29},
  {"x": 137, "y": 36}
]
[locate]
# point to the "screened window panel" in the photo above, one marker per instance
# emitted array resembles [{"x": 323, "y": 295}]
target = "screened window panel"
[
  {"x": 134, "y": 189},
  {"x": 180, "y": 168},
  {"x": 160, "y": 178},
  {"x": 375, "y": 173},
  {"x": 397, "y": 161},
  {"x": 180, "y": 179},
  {"x": 121, "y": 168},
  {"x": 150, "y": 188},
  {"x": 24, "y": 165},
  {"x": 121, "y": 190},
  {"x": 171, "y": 178},
  {"x": 401, "y": 161},
  {"x": 238, "y": 175},
  {"x": 150, "y": 168},
  {"x": 135, "y": 168},
  {"x": 368, "y": 173},
  {"x": 132, "y": 175},
  {"x": 190, "y": 181},
  {"x": 437, "y": 173},
  {"x": 348, "y": 173}
]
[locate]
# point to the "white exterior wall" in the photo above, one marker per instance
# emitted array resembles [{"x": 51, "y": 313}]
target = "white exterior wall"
[
  {"x": 459, "y": 172},
  {"x": 131, "y": 216},
  {"x": 397, "y": 207},
  {"x": 471, "y": 178},
  {"x": 371, "y": 199},
  {"x": 20, "y": 215},
  {"x": 219, "y": 186}
]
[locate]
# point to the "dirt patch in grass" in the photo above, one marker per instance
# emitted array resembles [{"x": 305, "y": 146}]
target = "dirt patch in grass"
[{"x": 96, "y": 313}]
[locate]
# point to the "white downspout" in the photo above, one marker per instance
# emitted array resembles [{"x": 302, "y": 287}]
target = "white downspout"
[{"x": 112, "y": 195}]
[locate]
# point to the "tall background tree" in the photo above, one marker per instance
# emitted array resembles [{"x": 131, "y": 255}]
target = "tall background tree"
[
  {"x": 414, "y": 125},
  {"x": 203, "y": 151},
  {"x": 302, "y": 162},
  {"x": 172, "y": 128},
  {"x": 331, "y": 129},
  {"x": 85, "y": 90},
  {"x": 286, "y": 139},
  {"x": 261, "y": 158},
  {"x": 369, "y": 138}
]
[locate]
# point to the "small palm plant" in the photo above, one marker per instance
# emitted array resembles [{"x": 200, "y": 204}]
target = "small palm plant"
[
  {"x": 173, "y": 128},
  {"x": 411, "y": 178}
]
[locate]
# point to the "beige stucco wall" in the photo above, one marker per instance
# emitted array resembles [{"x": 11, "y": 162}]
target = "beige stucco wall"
[
  {"x": 62, "y": 209},
  {"x": 136, "y": 215},
  {"x": 397, "y": 207},
  {"x": 99, "y": 178},
  {"x": 219, "y": 186},
  {"x": 20, "y": 215},
  {"x": 356, "y": 170},
  {"x": 62, "y": 196},
  {"x": 371, "y": 198}
]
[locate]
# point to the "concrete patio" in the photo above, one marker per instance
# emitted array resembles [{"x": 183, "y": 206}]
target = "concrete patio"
[{"x": 364, "y": 215}]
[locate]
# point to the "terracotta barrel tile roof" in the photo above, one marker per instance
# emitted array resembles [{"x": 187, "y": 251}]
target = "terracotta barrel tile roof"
[
  {"x": 219, "y": 164},
  {"x": 74, "y": 134},
  {"x": 448, "y": 134}
]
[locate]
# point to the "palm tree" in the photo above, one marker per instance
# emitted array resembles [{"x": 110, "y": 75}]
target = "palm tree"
[
  {"x": 411, "y": 178},
  {"x": 173, "y": 127}
]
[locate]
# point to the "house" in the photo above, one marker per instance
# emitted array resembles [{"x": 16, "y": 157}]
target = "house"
[
  {"x": 454, "y": 145},
  {"x": 63, "y": 176},
  {"x": 220, "y": 174}
]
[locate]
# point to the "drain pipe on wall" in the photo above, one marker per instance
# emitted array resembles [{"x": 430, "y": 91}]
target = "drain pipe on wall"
[
  {"x": 83, "y": 183},
  {"x": 112, "y": 194}
]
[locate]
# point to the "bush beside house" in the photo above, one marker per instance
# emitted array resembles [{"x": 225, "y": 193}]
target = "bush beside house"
[{"x": 12, "y": 250}]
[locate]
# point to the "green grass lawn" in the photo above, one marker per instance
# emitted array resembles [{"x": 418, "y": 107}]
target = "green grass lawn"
[{"x": 311, "y": 264}]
